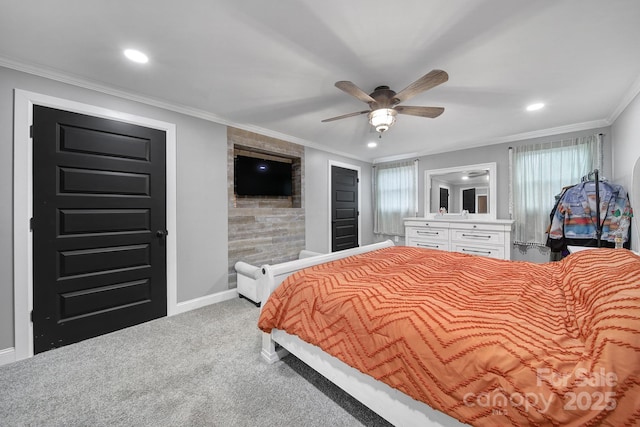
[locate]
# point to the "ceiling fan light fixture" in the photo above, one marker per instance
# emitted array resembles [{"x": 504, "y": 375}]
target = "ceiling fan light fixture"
[{"x": 382, "y": 118}]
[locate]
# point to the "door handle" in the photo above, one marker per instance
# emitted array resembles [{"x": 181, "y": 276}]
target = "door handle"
[{"x": 161, "y": 234}]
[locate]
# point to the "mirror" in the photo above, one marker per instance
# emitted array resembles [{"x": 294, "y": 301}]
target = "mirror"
[{"x": 462, "y": 191}]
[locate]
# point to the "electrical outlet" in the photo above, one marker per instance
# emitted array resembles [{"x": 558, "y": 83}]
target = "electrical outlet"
[{"x": 396, "y": 239}]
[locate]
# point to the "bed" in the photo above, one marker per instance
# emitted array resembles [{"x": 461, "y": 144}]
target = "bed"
[{"x": 432, "y": 338}]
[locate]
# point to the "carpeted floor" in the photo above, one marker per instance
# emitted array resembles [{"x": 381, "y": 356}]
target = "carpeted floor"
[{"x": 200, "y": 368}]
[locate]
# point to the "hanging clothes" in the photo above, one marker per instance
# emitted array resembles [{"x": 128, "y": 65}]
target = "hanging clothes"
[{"x": 573, "y": 218}]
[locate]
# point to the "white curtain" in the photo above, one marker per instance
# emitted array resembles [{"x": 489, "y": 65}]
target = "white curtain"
[
  {"x": 394, "y": 196},
  {"x": 539, "y": 173}
]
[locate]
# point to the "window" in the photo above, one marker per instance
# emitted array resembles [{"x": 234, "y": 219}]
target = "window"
[
  {"x": 395, "y": 196},
  {"x": 539, "y": 172}
]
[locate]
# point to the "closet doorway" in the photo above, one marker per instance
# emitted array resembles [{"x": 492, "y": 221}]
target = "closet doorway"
[
  {"x": 23, "y": 286},
  {"x": 345, "y": 207}
]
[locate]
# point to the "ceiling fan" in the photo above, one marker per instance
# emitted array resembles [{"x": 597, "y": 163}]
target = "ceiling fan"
[{"x": 383, "y": 102}]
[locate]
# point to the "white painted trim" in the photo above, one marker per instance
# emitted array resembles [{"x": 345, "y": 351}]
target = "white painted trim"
[
  {"x": 359, "y": 171},
  {"x": 205, "y": 115},
  {"x": 634, "y": 193},
  {"x": 178, "y": 108},
  {"x": 493, "y": 205},
  {"x": 23, "y": 209},
  {"x": 630, "y": 95},
  {"x": 416, "y": 186},
  {"x": 397, "y": 157},
  {"x": 390, "y": 403},
  {"x": 595, "y": 124},
  {"x": 206, "y": 300},
  {"x": 7, "y": 355}
]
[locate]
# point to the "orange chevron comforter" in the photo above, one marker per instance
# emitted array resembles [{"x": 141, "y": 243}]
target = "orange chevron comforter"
[{"x": 489, "y": 342}]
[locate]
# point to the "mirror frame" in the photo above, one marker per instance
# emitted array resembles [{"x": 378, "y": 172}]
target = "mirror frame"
[
  {"x": 493, "y": 205},
  {"x": 635, "y": 199}
]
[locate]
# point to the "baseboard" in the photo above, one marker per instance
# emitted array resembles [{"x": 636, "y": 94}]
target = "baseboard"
[
  {"x": 195, "y": 303},
  {"x": 7, "y": 355}
]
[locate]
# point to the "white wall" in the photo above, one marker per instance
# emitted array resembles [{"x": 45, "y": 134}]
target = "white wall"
[{"x": 626, "y": 152}]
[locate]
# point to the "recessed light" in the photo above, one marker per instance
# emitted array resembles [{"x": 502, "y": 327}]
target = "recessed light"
[
  {"x": 536, "y": 106},
  {"x": 372, "y": 144},
  {"x": 136, "y": 56}
]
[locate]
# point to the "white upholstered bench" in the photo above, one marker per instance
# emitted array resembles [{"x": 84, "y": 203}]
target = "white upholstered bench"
[{"x": 249, "y": 277}]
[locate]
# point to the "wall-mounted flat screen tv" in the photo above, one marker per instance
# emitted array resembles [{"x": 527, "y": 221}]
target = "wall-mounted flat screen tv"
[{"x": 259, "y": 177}]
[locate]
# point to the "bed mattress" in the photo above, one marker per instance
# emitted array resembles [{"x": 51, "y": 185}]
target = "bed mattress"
[{"x": 489, "y": 342}]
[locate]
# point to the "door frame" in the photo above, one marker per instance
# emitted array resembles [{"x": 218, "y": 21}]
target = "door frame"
[
  {"x": 358, "y": 170},
  {"x": 23, "y": 204}
]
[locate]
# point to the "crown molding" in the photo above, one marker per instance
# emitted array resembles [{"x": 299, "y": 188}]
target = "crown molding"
[
  {"x": 396, "y": 158},
  {"x": 205, "y": 115},
  {"x": 631, "y": 94},
  {"x": 576, "y": 127},
  {"x": 505, "y": 139},
  {"x": 158, "y": 103}
]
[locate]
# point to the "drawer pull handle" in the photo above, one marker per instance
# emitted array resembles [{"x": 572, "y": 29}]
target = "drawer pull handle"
[
  {"x": 429, "y": 233},
  {"x": 476, "y": 236},
  {"x": 476, "y": 252},
  {"x": 422, "y": 245}
]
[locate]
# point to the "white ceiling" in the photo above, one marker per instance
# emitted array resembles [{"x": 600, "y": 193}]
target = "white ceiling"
[{"x": 270, "y": 66}]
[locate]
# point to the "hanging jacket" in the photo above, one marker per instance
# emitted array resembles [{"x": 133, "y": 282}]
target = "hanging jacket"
[{"x": 574, "y": 216}]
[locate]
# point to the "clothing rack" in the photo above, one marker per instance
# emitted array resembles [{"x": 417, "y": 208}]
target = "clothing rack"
[
  {"x": 594, "y": 174},
  {"x": 584, "y": 227}
]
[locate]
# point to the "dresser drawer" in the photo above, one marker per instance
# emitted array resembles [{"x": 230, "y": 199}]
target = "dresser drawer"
[
  {"x": 488, "y": 251},
  {"x": 490, "y": 238},
  {"x": 478, "y": 236},
  {"x": 481, "y": 226},
  {"x": 422, "y": 223},
  {"x": 428, "y": 244},
  {"x": 429, "y": 233}
]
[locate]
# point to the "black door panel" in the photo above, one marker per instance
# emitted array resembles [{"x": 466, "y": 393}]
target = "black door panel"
[
  {"x": 99, "y": 199},
  {"x": 344, "y": 208}
]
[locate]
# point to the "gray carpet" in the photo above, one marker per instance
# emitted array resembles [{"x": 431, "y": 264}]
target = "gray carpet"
[{"x": 200, "y": 368}]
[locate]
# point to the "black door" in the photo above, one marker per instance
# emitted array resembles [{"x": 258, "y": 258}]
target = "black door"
[
  {"x": 344, "y": 208},
  {"x": 469, "y": 200},
  {"x": 444, "y": 198},
  {"x": 99, "y": 220}
]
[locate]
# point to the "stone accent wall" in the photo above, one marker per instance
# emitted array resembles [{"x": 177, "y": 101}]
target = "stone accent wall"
[{"x": 264, "y": 229}]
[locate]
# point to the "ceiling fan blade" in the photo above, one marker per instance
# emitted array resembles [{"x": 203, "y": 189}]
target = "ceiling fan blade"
[
  {"x": 426, "y": 82},
  {"x": 354, "y": 90},
  {"x": 431, "y": 112},
  {"x": 344, "y": 116}
]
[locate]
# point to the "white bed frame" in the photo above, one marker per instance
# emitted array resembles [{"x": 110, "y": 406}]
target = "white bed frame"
[{"x": 391, "y": 404}]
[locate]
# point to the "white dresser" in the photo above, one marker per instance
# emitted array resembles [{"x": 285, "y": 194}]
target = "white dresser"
[{"x": 491, "y": 238}]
